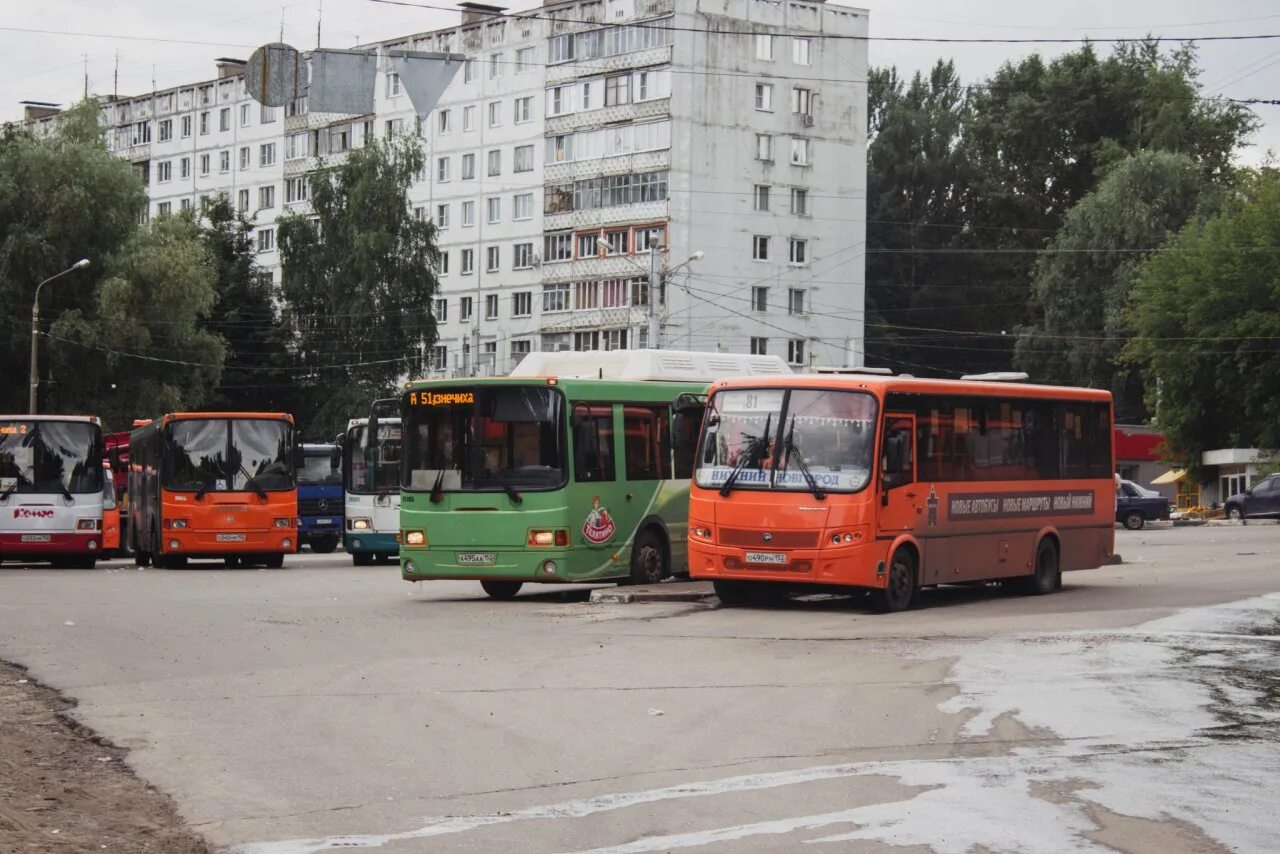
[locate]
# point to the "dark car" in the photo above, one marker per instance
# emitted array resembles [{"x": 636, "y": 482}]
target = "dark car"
[
  {"x": 1136, "y": 505},
  {"x": 1258, "y": 501}
]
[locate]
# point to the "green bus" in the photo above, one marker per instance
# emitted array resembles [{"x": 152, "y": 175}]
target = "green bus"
[{"x": 573, "y": 469}]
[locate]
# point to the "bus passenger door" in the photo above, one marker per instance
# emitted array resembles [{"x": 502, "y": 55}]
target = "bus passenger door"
[{"x": 901, "y": 499}]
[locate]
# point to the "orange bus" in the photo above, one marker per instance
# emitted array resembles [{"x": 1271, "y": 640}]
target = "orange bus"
[
  {"x": 890, "y": 484},
  {"x": 214, "y": 485},
  {"x": 110, "y": 513}
]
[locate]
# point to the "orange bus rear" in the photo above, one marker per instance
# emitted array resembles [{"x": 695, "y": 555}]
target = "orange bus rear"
[
  {"x": 214, "y": 485},
  {"x": 891, "y": 484}
]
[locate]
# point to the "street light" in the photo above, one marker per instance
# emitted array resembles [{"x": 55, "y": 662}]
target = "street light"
[
  {"x": 656, "y": 276},
  {"x": 35, "y": 330}
]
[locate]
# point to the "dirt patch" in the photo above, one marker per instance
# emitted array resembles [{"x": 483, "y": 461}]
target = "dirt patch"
[{"x": 63, "y": 788}]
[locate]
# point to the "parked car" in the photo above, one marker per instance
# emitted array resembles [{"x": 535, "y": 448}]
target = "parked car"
[
  {"x": 1136, "y": 505},
  {"x": 1260, "y": 500}
]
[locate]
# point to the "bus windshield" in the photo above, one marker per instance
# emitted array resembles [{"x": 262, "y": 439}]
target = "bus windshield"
[
  {"x": 228, "y": 455},
  {"x": 371, "y": 470},
  {"x": 318, "y": 468},
  {"x": 44, "y": 457},
  {"x": 793, "y": 440},
  {"x": 488, "y": 438}
]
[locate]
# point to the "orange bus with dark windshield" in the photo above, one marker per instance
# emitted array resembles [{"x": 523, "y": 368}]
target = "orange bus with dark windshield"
[
  {"x": 216, "y": 485},
  {"x": 890, "y": 484}
]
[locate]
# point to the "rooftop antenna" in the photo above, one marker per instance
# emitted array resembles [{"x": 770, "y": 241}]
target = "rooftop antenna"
[
  {"x": 282, "y": 8},
  {"x": 86, "y": 75},
  {"x": 115, "y": 79},
  {"x": 319, "y": 18}
]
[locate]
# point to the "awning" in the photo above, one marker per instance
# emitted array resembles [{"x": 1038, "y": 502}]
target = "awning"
[{"x": 1172, "y": 476}]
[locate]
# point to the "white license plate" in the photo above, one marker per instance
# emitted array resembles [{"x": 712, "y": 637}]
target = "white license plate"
[
  {"x": 230, "y": 538},
  {"x": 35, "y": 538},
  {"x": 766, "y": 557},
  {"x": 324, "y": 521},
  {"x": 476, "y": 558}
]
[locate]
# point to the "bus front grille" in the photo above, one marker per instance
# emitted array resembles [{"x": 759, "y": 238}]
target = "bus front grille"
[{"x": 746, "y": 538}]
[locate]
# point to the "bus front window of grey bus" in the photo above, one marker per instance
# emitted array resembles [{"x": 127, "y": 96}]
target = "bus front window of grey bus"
[
  {"x": 50, "y": 457},
  {"x": 484, "y": 439}
]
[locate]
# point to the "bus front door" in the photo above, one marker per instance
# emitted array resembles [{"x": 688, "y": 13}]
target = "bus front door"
[{"x": 902, "y": 502}]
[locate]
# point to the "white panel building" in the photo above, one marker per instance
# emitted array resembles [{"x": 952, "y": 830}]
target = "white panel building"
[{"x": 579, "y": 136}]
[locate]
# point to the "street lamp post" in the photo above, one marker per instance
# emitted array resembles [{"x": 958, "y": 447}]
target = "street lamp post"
[
  {"x": 656, "y": 277},
  {"x": 35, "y": 331}
]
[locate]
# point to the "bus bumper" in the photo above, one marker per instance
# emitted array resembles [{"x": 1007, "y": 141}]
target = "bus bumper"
[
  {"x": 215, "y": 544},
  {"x": 320, "y": 526},
  {"x": 370, "y": 542},
  {"x": 542, "y": 565},
  {"x": 40, "y": 543},
  {"x": 854, "y": 565}
]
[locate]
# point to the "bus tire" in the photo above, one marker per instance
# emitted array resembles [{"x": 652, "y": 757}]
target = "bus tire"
[
  {"x": 502, "y": 589},
  {"x": 648, "y": 558},
  {"x": 84, "y": 562},
  {"x": 1134, "y": 520},
  {"x": 732, "y": 593},
  {"x": 324, "y": 545},
  {"x": 1048, "y": 575},
  {"x": 274, "y": 561},
  {"x": 232, "y": 562},
  {"x": 900, "y": 591},
  {"x": 361, "y": 559}
]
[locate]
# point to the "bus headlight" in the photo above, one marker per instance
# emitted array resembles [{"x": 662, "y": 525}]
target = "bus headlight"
[
  {"x": 701, "y": 532},
  {"x": 415, "y": 538},
  {"x": 177, "y": 523},
  {"x": 88, "y": 524},
  {"x": 174, "y": 545},
  {"x": 360, "y": 523},
  {"x": 283, "y": 522}
]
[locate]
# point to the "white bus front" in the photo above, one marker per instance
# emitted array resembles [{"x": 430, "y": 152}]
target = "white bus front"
[
  {"x": 51, "y": 479},
  {"x": 371, "y": 487}
]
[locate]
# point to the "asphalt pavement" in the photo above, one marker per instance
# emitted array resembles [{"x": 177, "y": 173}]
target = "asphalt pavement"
[{"x": 324, "y": 706}]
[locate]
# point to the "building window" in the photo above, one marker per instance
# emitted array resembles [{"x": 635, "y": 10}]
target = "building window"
[
  {"x": 615, "y": 293},
  {"x": 224, "y": 119},
  {"x": 468, "y": 119},
  {"x": 204, "y": 164},
  {"x": 468, "y": 214},
  {"x": 586, "y": 99},
  {"x": 467, "y": 267},
  {"x": 795, "y": 301},
  {"x": 522, "y": 206},
  {"x": 242, "y": 200},
  {"x": 440, "y": 310},
  {"x": 267, "y": 197},
  {"x": 617, "y": 90},
  {"x": 799, "y": 201},
  {"x": 759, "y": 299},
  {"x": 444, "y": 263},
  {"x": 469, "y": 71},
  {"x": 495, "y": 66},
  {"x": 166, "y": 130},
  {"x": 559, "y": 247},
  {"x": 760, "y": 248},
  {"x": 616, "y": 241},
  {"x": 524, "y": 60},
  {"x": 523, "y": 158},
  {"x": 652, "y": 237},
  {"x": 615, "y": 339},
  {"x": 585, "y": 342},
  {"x": 266, "y": 239},
  {"x": 246, "y": 157},
  {"x": 468, "y": 167},
  {"x": 762, "y": 197},
  {"x": 555, "y": 298},
  {"x": 224, "y": 161},
  {"x": 799, "y": 151},
  {"x": 522, "y": 256},
  {"x": 186, "y": 126},
  {"x": 393, "y": 84},
  {"x": 520, "y": 349},
  {"x": 204, "y": 123},
  {"x": 268, "y": 115},
  {"x": 801, "y": 101},
  {"x": 587, "y": 247},
  {"x": 297, "y": 145},
  {"x": 295, "y": 190},
  {"x": 492, "y": 258},
  {"x": 164, "y": 208},
  {"x": 442, "y": 122},
  {"x": 185, "y": 205},
  {"x": 759, "y": 346},
  {"x": 440, "y": 357},
  {"x": 495, "y": 162},
  {"x": 164, "y": 171},
  {"x": 464, "y": 308},
  {"x": 267, "y": 154},
  {"x": 495, "y": 114},
  {"x": 522, "y": 301},
  {"x": 442, "y": 216},
  {"x": 764, "y": 46},
  {"x": 799, "y": 251},
  {"x": 491, "y": 307},
  {"x": 184, "y": 167},
  {"x": 417, "y": 212},
  {"x": 764, "y": 146},
  {"x": 800, "y": 51},
  {"x": 764, "y": 97},
  {"x": 795, "y": 351},
  {"x": 442, "y": 169},
  {"x": 560, "y": 48},
  {"x": 244, "y": 115},
  {"x": 524, "y": 109}
]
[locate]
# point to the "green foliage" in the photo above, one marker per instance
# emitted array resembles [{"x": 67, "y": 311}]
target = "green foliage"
[
  {"x": 155, "y": 290},
  {"x": 1206, "y": 314},
  {"x": 358, "y": 282},
  {"x": 256, "y": 376},
  {"x": 62, "y": 198},
  {"x": 1083, "y": 292}
]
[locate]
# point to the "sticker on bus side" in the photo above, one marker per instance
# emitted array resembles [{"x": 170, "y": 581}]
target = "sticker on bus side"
[
  {"x": 599, "y": 526},
  {"x": 1013, "y": 505}
]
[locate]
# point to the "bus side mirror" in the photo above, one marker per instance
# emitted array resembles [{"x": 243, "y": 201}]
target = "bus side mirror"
[{"x": 299, "y": 458}]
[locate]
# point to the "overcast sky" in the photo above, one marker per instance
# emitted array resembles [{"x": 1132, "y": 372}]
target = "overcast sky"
[{"x": 49, "y": 67}]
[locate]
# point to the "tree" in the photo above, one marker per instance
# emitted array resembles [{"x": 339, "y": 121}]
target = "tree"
[
  {"x": 1206, "y": 318},
  {"x": 137, "y": 349},
  {"x": 358, "y": 279},
  {"x": 256, "y": 375},
  {"x": 1083, "y": 279},
  {"x": 63, "y": 197}
]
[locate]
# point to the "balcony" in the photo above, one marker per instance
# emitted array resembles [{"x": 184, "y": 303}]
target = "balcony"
[
  {"x": 609, "y": 115},
  {"x": 604, "y": 64}
]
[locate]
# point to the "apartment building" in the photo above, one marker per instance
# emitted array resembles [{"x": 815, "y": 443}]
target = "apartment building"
[{"x": 579, "y": 138}]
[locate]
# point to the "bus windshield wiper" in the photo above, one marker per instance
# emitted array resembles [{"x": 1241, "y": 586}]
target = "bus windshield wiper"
[
  {"x": 507, "y": 487},
  {"x": 792, "y": 450},
  {"x": 17, "y": 481},
  {"x": 257, "y": 487},
  {"x": 753, "y": 450},
  {"x": 66, "y": 493}
]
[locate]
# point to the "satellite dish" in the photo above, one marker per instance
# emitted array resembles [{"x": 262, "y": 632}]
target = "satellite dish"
[{"x": 274, "y": 75}]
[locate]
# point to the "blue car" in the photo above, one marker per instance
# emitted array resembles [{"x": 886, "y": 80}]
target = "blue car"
[
  {"x": 1136, "y": 505},
  {"x": 320, "y": 498}
]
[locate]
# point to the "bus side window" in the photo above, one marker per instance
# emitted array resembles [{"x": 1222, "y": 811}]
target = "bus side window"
[
  {"x": 895, "y": 459},
  {"x": 592, "y": 443},
  {"x": 685, "y": 427},
  {"x": 647, "y": 442}
]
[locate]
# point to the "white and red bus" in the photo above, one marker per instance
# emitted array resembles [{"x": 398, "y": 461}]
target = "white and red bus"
[
  {"x": 891, "y": 484},
  {"x": 51, "y": 489}
]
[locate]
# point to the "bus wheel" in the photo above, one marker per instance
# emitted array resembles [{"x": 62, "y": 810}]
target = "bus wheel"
[
  {"x": 1048, "y": 576},
  {"x": 1134, "y": 520},
  {"x": 86, "y": 562},
  {"x": 141, "y": 558},
  {"x": 901, "y": 592},
  {"x": 231, "y": 562},
  {"x": 361, "y": 559},
  {"x": 502, "y": 589},
  {"x": 274, "y": 561},
  {"x": 324, "y": 545},
  {"x": 648, "y": 559},
  {"x": 732, "y": 593}
]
